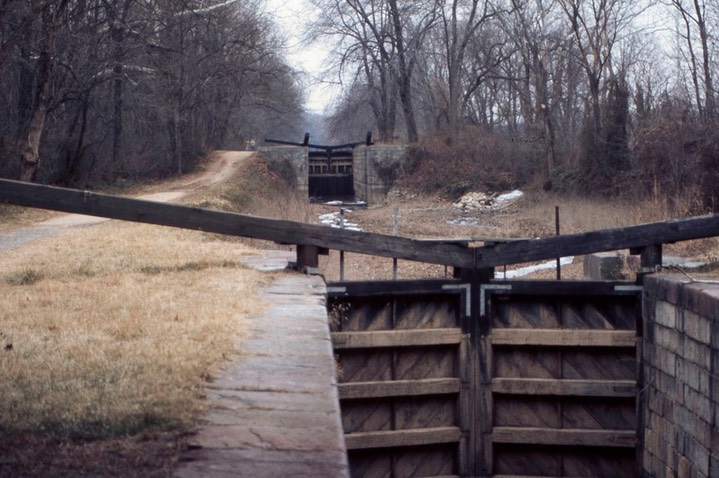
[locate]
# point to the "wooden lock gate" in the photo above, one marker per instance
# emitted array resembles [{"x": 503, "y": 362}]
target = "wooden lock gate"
[
  {"x": 330, "y": 167},
  {"x": 541, "y": 380}
]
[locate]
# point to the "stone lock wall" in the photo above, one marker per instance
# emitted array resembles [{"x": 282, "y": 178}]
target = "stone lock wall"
[
  {"x": 375, "y": 168},
  {"x": 292, "y": 157},
  {"x": 681, "y": 386}
]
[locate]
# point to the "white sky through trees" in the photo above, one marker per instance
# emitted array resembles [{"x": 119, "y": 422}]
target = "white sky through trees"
[{"x": 293, "y": 16}]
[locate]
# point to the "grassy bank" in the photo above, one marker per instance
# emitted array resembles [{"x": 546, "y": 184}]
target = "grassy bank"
[{"x": 114, "y": 329}]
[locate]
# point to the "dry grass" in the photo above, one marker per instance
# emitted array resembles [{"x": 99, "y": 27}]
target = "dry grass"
[
  {"x": 114, "y": 329},
  {"x": 258, "y": 190},
  {"x": 534, "y": 216},
  {"x": 15, "y": 217}
]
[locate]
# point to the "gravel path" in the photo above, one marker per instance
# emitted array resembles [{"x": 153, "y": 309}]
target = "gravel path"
[{"x": 222, "y": 165}]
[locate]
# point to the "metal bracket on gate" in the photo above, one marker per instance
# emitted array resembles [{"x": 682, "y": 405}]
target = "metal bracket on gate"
[
  {"x": 628, "y": 288},
  {"x": 336, "y": 291},
  {"x": 483, "y": 295},
  {"x": 467, "y": 295}
]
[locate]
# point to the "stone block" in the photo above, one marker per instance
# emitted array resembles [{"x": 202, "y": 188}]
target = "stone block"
[
  {"x": 694, "y": 376},
  {"x": 698, "y": 454},
  {"x": 375, "y": 169},
  {"x": 604, "y": 266},
  {"x": 697, "y": 327},
  {"x": 665, "y": 314},
  {"x": 669, "y": 386},
  {"x": 648, "y": 462},
  {"x": 685, "y": 467},
  {"x": 293, "y": 159},
  {"x": 697, "y": 352},
  {"x": 669, "y": 339},
  {"x": 666, "y": 361}
]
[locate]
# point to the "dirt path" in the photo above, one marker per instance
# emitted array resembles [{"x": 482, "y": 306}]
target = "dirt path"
[{"x": 219, "y": 167}]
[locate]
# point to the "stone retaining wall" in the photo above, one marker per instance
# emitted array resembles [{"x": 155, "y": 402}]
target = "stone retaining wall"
[
  {"x": 293, "y": 159},
  {"x": 375, "y": 168},
  {"x": 681, "y": 360}
]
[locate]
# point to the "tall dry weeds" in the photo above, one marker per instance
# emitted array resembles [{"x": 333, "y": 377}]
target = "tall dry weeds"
[{"x": 114, "y": 329}]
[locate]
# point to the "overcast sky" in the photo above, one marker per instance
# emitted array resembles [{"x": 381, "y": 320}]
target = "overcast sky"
[{"x": 292, "y": 16}]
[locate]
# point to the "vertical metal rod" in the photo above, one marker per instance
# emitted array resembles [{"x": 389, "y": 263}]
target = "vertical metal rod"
[
  {"x": 342, "y": 253},
  {"x": 559, "y": 259},
  {"x": 395, "y": 231}
]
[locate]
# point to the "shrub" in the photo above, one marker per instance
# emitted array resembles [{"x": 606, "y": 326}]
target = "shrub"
[
  {"x": 677, "y": 158},
  {"x": 478, "y": 160}
]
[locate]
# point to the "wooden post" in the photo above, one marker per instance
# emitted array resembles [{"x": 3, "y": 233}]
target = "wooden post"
[
  {"x": 651, "y": 261},
  {"x": 395, "y": 233},
  {"x": 477, "y": 327},
  {"x": 556, "y": 225},
  {"x": 342, "y": 253},
  {"x": 307, "y": 257}
]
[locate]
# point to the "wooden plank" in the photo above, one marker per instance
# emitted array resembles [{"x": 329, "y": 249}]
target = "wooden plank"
[
  {"x": 399, "y": 388},
  {"x": 399, "y": 438},
  {"x": 395, "y": 338},
  {"x": 468, "y": 240},
  {"x": 564, "y": 337},
  {"x": 598, "y": 241},
  {"x": 186, "y": 217},
  {"x": 466, "y": 455},
  {"x": 95, "y": 204},
  {"x": 552, "y": 288},
  {"x": 579, "y": 388},
  {"x": 565, "y": 437},
  {"x": 393, "y": 287}
]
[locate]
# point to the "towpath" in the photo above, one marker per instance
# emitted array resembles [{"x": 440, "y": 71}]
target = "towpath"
[{"x": 219, "y": 168}]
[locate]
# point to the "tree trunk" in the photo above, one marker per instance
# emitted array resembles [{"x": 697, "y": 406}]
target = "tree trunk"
[
  {"x": 30, "y": 155},
  {"x": 117, "y": 117},
  {"x": 541, "y": 78},
  {"x": 74, "y": 169},
  {"x": 709, "y": 100},
  {"x": 404, "y": 79}
]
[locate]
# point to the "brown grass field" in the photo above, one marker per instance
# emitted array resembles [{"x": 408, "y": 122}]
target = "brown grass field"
[{"x": 108, "y": 335}]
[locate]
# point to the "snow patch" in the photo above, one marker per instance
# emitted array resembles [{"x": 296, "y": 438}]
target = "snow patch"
[
  {"x": 336, "y": 220},
  {"x": 514, "y": 273},
  {"x": 478, "y": 201}
]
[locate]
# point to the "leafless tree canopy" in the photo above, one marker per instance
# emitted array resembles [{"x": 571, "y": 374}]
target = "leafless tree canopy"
[
  {"x": 590, "y": 95},
  {"x": 581, "y": 86},
  {"x": 93, "y": 90}
]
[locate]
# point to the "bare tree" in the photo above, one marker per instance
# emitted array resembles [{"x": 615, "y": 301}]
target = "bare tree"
[
  {"x": 30, "y": 155},
  {"x": 106, "y": 88},
  {"x": 379, "y": 41},
  {"x": 460, "y": 24},
  {"x": 596, "y": 27},
  {"x": 540, "y": 44},
  {"x": 366, "y": 55},
  {"x": 693, "y": 16},
  {"x": 411, "y": 22}
]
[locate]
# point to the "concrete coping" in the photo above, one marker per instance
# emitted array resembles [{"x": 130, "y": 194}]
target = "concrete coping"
[{"x": 275, "y": 410}]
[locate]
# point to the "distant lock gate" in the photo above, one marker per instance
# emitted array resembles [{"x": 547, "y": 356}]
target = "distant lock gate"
[{"x": 330, "y": 168}]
